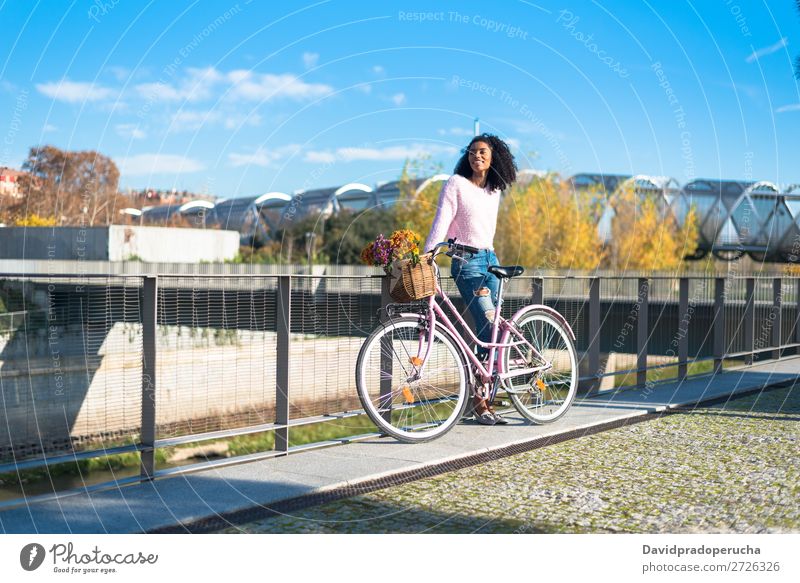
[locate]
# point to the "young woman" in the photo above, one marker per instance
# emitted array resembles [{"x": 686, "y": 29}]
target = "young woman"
[{"x": 467, "y": 211}]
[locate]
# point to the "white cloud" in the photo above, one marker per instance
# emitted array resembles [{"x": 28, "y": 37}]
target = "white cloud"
[
  {"x": 189, "y": 120},
  {"x": 792, "y": 107},
  {"x": 263, "y": 156},
  {"x": 320, "y": 157},
  {"x": 244, "y": 84},
  {"x": 349, "y": 154},
  {"x": 456, "y": 131},
  {"x": 265, "y": 86},
  {"x": 399, "y": 98},
  {"x": 49, "y": 128},
  {"x": 145, "y": 164},
  {"x": 767, "y": 50},
  {"x": 130, "y": 131},
  {"x": 196, "y": 86},
  {"x": 119, "y": 73},
  {"x": 378, "y": 70},
  {"x": 74, "y": 91},
  {"x": 190, "y": 85},
  {"x": 310, "y": 60}
]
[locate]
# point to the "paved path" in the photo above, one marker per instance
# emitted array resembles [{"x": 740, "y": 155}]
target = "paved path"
[
  {"x": 729, "y": 467},
  {"x": 193, "y": 498}
]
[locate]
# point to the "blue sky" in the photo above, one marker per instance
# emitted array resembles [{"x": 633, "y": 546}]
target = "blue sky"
[{"x": 242, "y": 98}]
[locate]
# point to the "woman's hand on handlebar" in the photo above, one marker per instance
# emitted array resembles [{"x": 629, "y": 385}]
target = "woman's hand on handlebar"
[{"x": 449, "y": 244}]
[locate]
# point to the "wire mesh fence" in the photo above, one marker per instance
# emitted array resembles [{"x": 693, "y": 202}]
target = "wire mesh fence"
[
  {"x": 70, "y": 365},
  {"x": 233, "y": 355}
]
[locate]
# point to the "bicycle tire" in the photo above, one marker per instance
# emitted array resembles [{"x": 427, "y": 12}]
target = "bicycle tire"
[
  {"x": 411, "y": 411},
  {"x": 554, "y": 390}
]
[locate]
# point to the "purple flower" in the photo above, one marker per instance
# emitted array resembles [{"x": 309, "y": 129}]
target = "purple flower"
[{"x": 382, "y": 250}]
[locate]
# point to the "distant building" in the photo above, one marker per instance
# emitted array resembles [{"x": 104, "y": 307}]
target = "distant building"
[
  {"x": 8, "y": 182},
  {"x": 155, "y": 197}
]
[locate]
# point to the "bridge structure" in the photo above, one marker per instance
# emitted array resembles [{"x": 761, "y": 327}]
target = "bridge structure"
[
  {"x": 93, "y": 365},
  {"x": 757, "y": 218}
]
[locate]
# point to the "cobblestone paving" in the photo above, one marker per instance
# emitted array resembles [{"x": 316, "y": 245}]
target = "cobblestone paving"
[{"x": 727, "y": 468}]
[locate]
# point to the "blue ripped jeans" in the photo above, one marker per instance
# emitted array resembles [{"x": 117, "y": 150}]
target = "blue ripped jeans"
[{"x": 479, "y": 289}]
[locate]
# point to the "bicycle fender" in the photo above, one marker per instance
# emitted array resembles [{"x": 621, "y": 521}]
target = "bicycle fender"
[{"x": 550, "y": 311}]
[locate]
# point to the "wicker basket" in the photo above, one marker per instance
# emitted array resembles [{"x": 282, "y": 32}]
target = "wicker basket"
[{"x": 409, "y": 283}]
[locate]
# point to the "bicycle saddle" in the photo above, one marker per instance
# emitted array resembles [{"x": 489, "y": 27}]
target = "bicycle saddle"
[{"x": 507, "y": 271}]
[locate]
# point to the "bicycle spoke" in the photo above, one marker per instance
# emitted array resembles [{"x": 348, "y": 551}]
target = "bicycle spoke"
[
  {"x": 411, "y": 400},
  {"x": 545, "y": 395}
]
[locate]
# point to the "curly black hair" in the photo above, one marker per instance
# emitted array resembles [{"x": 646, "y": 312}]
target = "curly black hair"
[{"x": 503, "y": 169}]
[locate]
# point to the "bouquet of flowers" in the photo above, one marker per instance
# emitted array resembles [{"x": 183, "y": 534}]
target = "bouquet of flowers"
[
  {"x": 411, "y": 276},
  {"x": 403, "y": 244}
]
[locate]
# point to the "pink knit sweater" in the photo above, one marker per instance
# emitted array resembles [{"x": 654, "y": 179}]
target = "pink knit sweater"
[{"x": 466, "y": 212}]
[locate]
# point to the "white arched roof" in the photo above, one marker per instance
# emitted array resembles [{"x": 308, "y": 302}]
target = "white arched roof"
[
  {"x": 654, "y": 182},
  {"x": 761, "y": 185},
  {"x": 352, "y": 186},
  {"x": 272, "y": 196},
  {"x": 196, "y": 204},
  {"x": 436, "y": 178}
]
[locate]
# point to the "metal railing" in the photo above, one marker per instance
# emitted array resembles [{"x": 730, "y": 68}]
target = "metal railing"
[{"x": 154, "y": 362}]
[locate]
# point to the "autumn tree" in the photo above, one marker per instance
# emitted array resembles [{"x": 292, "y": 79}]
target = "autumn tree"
[
  {"x": 74, "y": 188},
  {"x": 646, "y": 234},
  {"x": 543, "y": 225},
  {"x": 416, "y": 210}
]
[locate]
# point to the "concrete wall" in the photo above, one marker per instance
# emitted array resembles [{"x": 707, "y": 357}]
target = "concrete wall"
[
  {"x": 118, "y": 243},
  {"x": 171, "y": 244},
  {"x": 56, "y": 243}
]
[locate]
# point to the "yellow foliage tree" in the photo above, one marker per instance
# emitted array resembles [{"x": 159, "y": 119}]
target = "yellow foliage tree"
[
  {"x": 646, "y": 236},
  {"x": 543, "y": 225},
  {"x": 34, "y": 220},
  {"x": 416, "y": 210}
]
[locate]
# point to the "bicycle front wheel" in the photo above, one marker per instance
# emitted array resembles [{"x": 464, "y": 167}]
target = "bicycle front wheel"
[
  {"x": 546, "y": 395},
  {"x": 409, "y": 396}
]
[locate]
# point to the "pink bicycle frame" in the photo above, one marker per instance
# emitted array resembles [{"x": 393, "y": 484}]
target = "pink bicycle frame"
[{"x": 435, "y": 311}]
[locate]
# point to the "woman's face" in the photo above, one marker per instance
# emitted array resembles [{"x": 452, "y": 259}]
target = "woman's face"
[{"x": 480, "y": 156}]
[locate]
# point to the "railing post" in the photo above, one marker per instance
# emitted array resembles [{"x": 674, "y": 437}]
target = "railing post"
[
  {"x": 749, "y": 318},
  {"x": 592, "y": 385},
  {"x": 284, "y": 312},
  {"x": 683, "y": 328},
  {"x": 797, "y": 315},
  {"x": 777, "y": 308},
  {"x": 148, "y": 430},
  {"x": 537, "y": 290},
  {"x": 386, "y": 351},
  {"x": 718, "y": 323},
  {"x": 642, "y": 332}
]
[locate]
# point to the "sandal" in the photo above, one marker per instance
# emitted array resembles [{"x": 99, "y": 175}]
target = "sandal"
[
  {"x": 483, "y": 413},
  {"x": 498, "y": 419}
]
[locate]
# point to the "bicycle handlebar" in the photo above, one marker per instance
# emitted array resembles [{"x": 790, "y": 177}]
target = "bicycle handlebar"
[{"x": 450, "y": 244}]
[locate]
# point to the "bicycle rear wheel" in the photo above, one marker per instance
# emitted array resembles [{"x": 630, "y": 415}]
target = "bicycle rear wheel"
[
  {"x": 405, "y": 398},
  {"x": 546, "y": 395}
]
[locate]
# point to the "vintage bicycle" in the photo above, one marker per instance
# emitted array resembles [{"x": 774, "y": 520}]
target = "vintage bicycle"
[{"x": 416, "y": 373}]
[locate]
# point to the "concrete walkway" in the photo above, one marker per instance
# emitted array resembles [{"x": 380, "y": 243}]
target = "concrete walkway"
[{"x": 182, "y": 500}]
